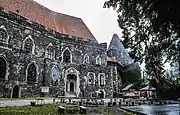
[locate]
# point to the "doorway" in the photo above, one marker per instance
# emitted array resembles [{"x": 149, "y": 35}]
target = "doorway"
[
  {"x": 72, "y": 87},
  {"x": 15, "y": 92},
  {"x": 101, "y": 95}
]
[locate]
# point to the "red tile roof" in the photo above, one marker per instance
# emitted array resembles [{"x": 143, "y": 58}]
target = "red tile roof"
[
  {"x": 61, "y": 23},
  {"x": 111, "y": 59}
]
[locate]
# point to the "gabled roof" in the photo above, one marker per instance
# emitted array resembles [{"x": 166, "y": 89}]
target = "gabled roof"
[
  {"x": 127, "y": 87},
  {"x": 61, "y": 23},
  {"x": 148, "y": 88}
]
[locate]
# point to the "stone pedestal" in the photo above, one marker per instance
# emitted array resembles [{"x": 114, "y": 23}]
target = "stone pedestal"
[
  {"x": 83, "y": 110},
  {"x": 61, "y": 109}
]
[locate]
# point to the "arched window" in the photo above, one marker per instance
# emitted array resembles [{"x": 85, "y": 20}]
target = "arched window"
[
  {"x": 2, "y": 68},
  {"x": 91, "y": 78},
  {"x": 28, "y": 45},
  {"x": 67, "y": 56},
  {"x": 54, "y": 76},
  {"x": 3, "y": 35},
  {"x": 86, "y": 59},
  {"x": 50, "y": 52},
  {"x": 31, "y": 73},
  {"x": 98, "y": 60}
]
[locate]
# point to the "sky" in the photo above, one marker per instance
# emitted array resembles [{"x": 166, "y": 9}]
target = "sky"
[{"x": 102, "y": 22}]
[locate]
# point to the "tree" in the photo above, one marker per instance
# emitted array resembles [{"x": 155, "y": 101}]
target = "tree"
[
  {"x": 154, "y": 63},
  {"x": 147, "y": 21},
  {"x": 151, "y": 29},
  {"x": 154, "y": 66},
  {"x": 132, "y": 75}
]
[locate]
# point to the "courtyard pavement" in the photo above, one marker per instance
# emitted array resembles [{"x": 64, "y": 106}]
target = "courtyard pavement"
[
  {"x": 4, "y": 103},
  {"x": 23, "y": 102}
]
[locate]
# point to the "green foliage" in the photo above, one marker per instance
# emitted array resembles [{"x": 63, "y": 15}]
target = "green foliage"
[
  {"x": 167, "y": 87},
  {"x": 148, "y": 22},
  {"x": 153, "y": 61},
  {"x": 131, "y": 75},
  {"x": 30, "y": 110},
  {"x": 162, "y": 15},
  {"x": 150, "y": 30},
  {"x": 52, "y": 109}
]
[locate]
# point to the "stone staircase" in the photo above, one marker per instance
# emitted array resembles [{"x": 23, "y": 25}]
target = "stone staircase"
[{"x": 71, "y": 94}]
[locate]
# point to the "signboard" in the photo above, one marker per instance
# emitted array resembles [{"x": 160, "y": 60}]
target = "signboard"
[{"x": 45, "y": 89}]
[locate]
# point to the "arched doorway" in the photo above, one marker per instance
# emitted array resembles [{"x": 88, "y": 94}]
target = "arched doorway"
[
  {"x": 15, "y": 92},
  {"x": 101, "y": 95},
  {"x": 72, "y": 86},
  {"x": 72, "y": 82}
]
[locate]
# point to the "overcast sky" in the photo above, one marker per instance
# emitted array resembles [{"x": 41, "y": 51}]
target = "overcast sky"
[{"x": 101, "y": 22}]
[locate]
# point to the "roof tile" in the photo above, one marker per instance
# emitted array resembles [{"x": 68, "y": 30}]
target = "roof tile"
[
  {"x": 111, "y": 59},
  {"x": 59, "y": 22}
]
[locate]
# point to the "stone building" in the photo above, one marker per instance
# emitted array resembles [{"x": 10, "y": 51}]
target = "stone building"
[
  {"x": 128, "y": 70},
  {"x": 45, "y": 53}
]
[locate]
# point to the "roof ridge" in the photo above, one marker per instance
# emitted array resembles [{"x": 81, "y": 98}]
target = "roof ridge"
[
  {"x": 53, "y": 10},
  {"x": 66, "y": 15},
  {"x": 60, "y": 22}
]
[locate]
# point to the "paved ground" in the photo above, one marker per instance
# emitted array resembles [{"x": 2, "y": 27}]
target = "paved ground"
[
  {"x": 168, "y": 109},
  {"x": 4, "y": 103}
]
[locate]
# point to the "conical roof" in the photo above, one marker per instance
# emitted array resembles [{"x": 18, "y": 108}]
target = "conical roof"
[
  {"x": 116, "y": 43},
  {"x": 121, "y": 54}
]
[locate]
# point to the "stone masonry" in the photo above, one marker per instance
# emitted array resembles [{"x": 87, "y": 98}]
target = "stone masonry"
[{"x": 34, "y": 58}]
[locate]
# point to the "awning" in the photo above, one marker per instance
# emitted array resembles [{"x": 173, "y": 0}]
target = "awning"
[
  {"x": 148, "y": 88},
  {"x": 130, "y": 94},
  {"x": 127, "y": 87}
]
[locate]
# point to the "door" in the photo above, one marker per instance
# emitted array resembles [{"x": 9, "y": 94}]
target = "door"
[
  {"x": 72, "y": 86},
  {"x": 101, "y": 95},
  {"x": 15, "y": 92}
]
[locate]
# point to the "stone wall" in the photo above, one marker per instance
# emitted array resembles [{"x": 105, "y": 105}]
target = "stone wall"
[{"x": 18, "y": 60}]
